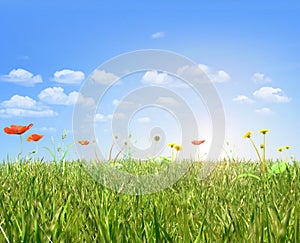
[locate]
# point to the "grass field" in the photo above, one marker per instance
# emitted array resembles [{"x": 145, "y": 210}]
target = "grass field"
[{"x": 40, "y": 204}]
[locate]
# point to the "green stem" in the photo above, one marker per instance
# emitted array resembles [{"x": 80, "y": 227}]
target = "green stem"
[
  {"x": 21, "y": 147},
  {"x": 256, "y": 149},
  {"x": 263, "y": 163},
  {"x": 154, "y": 149},
  {"x": 110, "y": 151}
]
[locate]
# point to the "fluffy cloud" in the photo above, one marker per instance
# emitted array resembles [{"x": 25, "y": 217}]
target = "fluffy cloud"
[
  {"x": 271, "y": 95},
  {"x": 264, "y": 111},
  {"x": 243, "y": 99},
  {"x": 102, "y": 77},
  {"x": 116, "y": 102},
  {"x": 18, "y": 101},
  {"x": 219, "y": 76},
  {"x": 190, "y": 72},
  {"x": 14, "y": 112},
  {"x": 158, "y": 35},
  {"x": 57, "y": 96},
  {"x": 154, "y": 77},
  {"x": 22, "y": 77},
  {"x": 67, "y": 76},
  {"x": 260, "y": 78},
  {"x": 24, "y": 106},
  {"x": 100, "y": 118}
]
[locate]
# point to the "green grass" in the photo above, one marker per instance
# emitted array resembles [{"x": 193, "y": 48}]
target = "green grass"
[{"x": 40, "y": 204}]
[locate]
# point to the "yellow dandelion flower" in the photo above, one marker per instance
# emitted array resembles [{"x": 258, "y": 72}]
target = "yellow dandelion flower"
[
  {"x": 264, "y": 131},
  {"x": 177, "y": 147},
  {"x": 247, "y": 134},
  {"x": 287, "y": 147},
  {"x": 279, "y": 149},
  {"x": 171, "y": 144}
]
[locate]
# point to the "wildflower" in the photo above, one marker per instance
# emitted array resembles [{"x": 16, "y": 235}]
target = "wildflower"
[
  {"x": 34, "y": 137},
  {"x": 247, "y": 134},
  {"x": 156, "y": 138},
  {"x": 15, "y": 129},
  {"x": 171, "y": 144},
  {"x": 287, "y": 147},
  {"x": 198, "y": 142},
  {"x": 18, "y": 130},
  {"x": 279, "y": 149},
  {"x": 83, "y": 142},
  {"x": 264, "y": 131},
  {"x": 177, "y": 147}
]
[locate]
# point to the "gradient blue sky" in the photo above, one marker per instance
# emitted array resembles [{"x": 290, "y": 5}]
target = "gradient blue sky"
[{"x": 250, "y": 49}]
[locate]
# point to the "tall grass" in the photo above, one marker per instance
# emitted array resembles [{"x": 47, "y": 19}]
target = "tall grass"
[{"x": 39, "y": 204}]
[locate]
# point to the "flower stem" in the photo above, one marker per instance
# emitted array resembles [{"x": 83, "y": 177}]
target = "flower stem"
[
  {"x": 263, "y": 163},
  {"x": 21, "y": 147},
  {"x": 110, "y": 151},
  {"x": 256, "y": 149}
]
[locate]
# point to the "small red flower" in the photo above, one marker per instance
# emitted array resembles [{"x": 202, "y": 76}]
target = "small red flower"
[
  {"x": 83, "y": 142},
  {"x": 198, "y": 142},
  {"x": 15, "y": 129},
  {"x": 34, "y": 137}
]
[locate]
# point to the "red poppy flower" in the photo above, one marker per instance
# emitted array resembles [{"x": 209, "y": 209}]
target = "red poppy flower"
[
  {"x": 198, "y": 142},
  {"x": 14, "y": 129},
  {"x": 34, "y": 137},
  {"x": 83, "y": 142}
]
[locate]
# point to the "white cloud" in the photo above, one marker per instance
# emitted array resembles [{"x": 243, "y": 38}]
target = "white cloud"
[
  {"x": 24, "y": 106},
  {"x": 272, "y": 95},
  {"x": 102, "y": 77},
  {"x": 18, "y": 101},
  {"x": 219, "y": 76},
  {"x": 260, "y": 78},
  {"x": 22, "y": 77},
  {"x": 143, "y": 120},
  {"x": 116, "y": 102},
  {"x": 56, "y": 96},
  {"x": 67, "y": 76},
  {"x": 191, "y": 72},
  {"x": 243, "y": 99},
  {"x": 154, "y": 77},
  {"x": 158, "y": 35},
  {"x": 100, "y": 118},
  {"x": 15, "y": 112},
  {"x": 264, "y": 111}
]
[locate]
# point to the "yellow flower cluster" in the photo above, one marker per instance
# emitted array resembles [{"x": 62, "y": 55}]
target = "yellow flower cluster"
[
  {"x": 281, "y": 148},
  {"x": 175, "y": 146}
]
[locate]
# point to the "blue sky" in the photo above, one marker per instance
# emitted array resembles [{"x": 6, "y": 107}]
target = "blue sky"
[{"x": 250, "y": 50}]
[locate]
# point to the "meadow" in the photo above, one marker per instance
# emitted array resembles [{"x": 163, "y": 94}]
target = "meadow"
[{"x": 38, "y": 203}]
